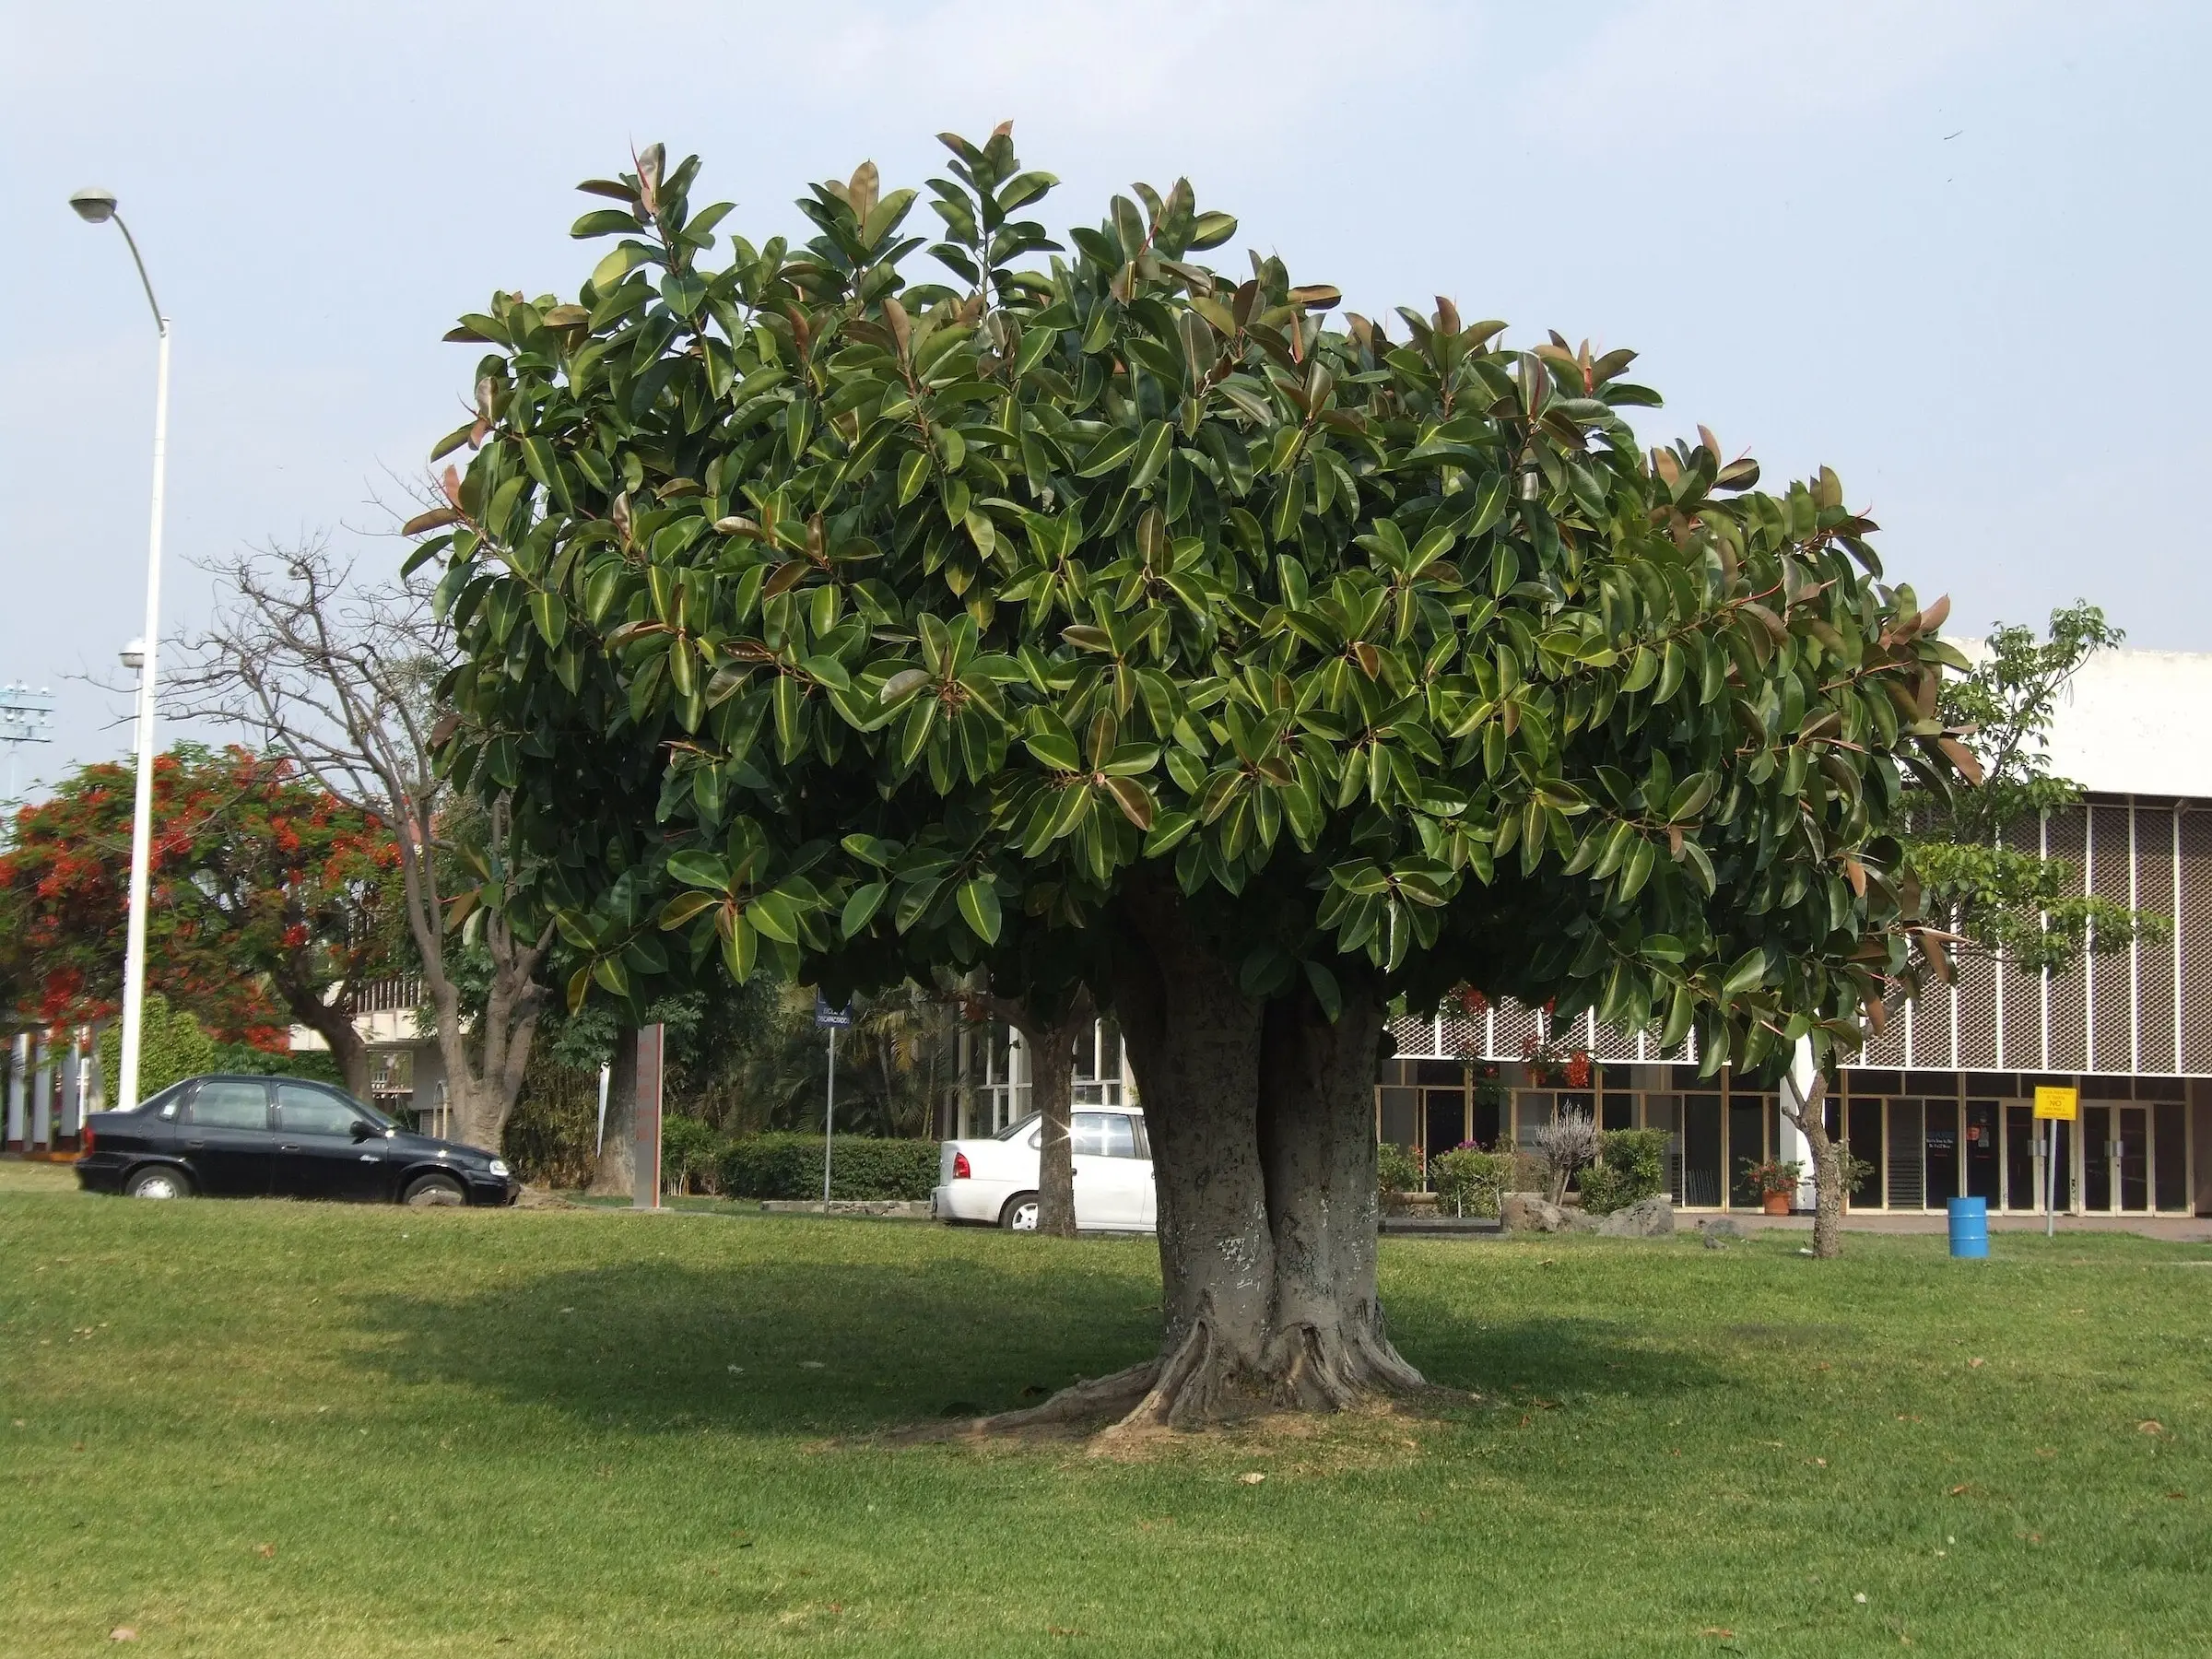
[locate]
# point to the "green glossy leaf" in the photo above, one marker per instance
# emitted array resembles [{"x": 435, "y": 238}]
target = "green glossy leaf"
[{"x": 978, "y": 903}]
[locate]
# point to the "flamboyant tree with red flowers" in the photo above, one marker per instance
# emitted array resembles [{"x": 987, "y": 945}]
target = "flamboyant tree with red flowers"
[{"x": 272, "y": 902}]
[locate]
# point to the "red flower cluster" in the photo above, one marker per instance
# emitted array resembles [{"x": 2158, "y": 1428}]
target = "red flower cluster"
[{"x": 266, "y": 892}]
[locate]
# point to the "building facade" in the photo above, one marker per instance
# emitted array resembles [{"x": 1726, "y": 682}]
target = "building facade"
[{"x": 1940, "y": 1105}]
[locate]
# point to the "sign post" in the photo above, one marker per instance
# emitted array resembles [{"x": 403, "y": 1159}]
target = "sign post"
[
  {"x": 2054, "y": 1106},
  {"x": 835, "y": 1019},
  {"x": 646, "y": 1120}
]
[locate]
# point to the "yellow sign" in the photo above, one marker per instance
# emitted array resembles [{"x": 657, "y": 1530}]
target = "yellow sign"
[{"x": 2060, "y": 1103}]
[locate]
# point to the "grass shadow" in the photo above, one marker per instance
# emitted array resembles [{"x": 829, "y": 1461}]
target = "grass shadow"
[
  {"x": 796, "y": 1345},
  {"x": 1554, "y": 1357},
  {"x": 769, "y": 1347}
]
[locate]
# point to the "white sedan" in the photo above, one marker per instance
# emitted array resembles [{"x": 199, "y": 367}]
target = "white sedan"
[{"x": 992, "y": 1182}]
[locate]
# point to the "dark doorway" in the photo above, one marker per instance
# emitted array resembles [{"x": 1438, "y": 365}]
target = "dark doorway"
[
  {"x": 1906, "y": 1167},
  {"x": 1702, "y": 1149},
  {"x": 1447, "y": 1112},
  {"x": 2132, "y": 1155},
  {"x": 1865, "y": 1145},
  {"x": 1943, "y": 1153},
  {"x": 2022, "y": 1135},
  {"x": 2097, "y": 1158},
  {"x": 1747, "y": 1144},
  {"x": 2170, "y": 1156},
  {"x": 1983, "y": 1172},
  {"x": 1488, "y": 1123}
]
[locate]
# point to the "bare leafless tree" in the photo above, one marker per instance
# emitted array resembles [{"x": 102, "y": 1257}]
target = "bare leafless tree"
[
  {"x": 340, "y": 675},
  {"x": 1564, "y": 1146}
]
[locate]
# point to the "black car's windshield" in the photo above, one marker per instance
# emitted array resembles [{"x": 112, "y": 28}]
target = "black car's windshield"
[{"x": 1015, "y": 1129}]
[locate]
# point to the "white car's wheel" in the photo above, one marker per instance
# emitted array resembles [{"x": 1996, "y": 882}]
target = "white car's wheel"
[
  {"x": 161, "y": 1182},
  {"x": 1020, "y": 1214}
]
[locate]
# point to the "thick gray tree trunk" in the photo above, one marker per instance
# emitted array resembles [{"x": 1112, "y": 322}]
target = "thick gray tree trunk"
[
  {"x": 1262, "y": 1122},
  {"x": 615, "y": 1174}
]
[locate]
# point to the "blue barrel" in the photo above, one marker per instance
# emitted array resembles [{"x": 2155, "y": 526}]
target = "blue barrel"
[{"x": 1969, "y": 1226}]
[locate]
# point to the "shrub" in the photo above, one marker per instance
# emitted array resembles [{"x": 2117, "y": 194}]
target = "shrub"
[
  {"x": 1857, "y": 1172},
  {"x": 1468, "y": 1181},
  {"x": 1564, "y": 1146},
  {"x": 1397, "y": 1173},
  {"x": 691, "y": 1155},
  {"x": 171, "y": 1047},
  {"x": 862, "y": 1167},
  {"x": 1631, "y": 1167}
]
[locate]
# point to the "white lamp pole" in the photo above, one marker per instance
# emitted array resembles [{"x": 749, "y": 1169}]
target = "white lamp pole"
[{"x": 95, "y": 208}]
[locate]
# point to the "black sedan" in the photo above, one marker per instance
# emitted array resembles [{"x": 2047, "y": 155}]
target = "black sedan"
[{"x": 280, "y": 1137}]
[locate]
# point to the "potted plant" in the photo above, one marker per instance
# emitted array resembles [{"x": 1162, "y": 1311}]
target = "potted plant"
[{"x": 1775, "y": 1180}]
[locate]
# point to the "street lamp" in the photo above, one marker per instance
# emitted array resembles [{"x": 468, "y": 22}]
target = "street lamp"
[{"x": 97, "y": 207}]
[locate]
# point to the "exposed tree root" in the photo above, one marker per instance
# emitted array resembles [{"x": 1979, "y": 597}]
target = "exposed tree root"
[
  {"x": 1318, "y": 1371},
  {"x": 1204, "y": 1381},
  {"x": 1204, "y": 1384},
  {"x": 1079, "y": 1404}
]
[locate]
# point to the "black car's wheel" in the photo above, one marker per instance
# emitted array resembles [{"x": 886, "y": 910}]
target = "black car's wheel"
[
  {"x": 1020, "y": 1214},
  {"x": 434, "y": 1190},
  {"x": 158, "y": 1180}
]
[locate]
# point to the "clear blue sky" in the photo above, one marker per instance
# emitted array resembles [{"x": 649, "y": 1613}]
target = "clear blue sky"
[{"x": 1956, "y": 251}]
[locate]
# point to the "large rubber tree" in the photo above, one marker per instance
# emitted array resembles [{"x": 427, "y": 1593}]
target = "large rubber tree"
[{"x": 1113, "y": 618}]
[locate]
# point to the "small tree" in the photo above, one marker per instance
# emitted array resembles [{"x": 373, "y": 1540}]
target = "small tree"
[
  {"x": 339, "y": 679},
  {"x": 2023, "y": 911},
  {"x": 1563, "y": 1146},
  {"x": 1993, "y": 898}
]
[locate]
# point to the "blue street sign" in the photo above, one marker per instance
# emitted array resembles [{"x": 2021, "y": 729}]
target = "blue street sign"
[{"x": 835, "y": 1019}]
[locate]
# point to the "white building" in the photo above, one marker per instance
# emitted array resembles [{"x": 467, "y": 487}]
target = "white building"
[{"x": 1941, "y": 1103}]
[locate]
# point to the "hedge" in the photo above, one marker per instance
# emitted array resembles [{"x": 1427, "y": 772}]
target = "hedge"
[
  {"x": 171, "y": 1047},
  {"x": 863, "y": 1165}
]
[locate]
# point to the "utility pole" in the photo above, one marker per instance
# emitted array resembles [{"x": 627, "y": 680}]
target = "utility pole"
[
  {"x": 97, "y": 207},
  {"x": 26, "y": 716},
  {"x": 824, "y": 1015}
]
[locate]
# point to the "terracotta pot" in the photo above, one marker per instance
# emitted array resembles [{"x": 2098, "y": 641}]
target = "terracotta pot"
[{"x": 1775, "y": 1204}]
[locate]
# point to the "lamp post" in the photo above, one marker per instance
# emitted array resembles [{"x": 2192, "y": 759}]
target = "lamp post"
[{"x": 97, "y": 207}]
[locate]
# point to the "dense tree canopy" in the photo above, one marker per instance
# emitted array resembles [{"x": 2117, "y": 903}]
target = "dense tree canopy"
[
  {"x": 1120, "y": 611},
  {"x": 908, "y": 607}
]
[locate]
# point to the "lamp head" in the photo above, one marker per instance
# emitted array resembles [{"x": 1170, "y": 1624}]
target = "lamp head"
[
  {"x": 134, "y": 654},
  {"x": 93, "y": 204}
]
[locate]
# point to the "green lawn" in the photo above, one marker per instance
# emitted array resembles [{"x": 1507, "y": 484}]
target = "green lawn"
[{"x": 245, "y": 1428}]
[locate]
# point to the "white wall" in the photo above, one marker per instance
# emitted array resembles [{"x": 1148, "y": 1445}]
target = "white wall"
[{"x": 2135, "y": 723}]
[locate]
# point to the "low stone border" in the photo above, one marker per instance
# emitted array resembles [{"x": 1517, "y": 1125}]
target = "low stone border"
[
  {"x": 1486, "y": 1227},
  {"x": 883, "y": 1209}
]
